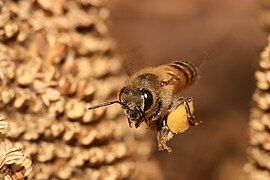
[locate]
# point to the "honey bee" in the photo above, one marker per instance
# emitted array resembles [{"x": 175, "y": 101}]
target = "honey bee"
[{"x": 151, "y": 95}]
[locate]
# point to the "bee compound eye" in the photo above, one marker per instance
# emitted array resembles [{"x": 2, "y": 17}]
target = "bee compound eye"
[{"x": 148, "y": 99}]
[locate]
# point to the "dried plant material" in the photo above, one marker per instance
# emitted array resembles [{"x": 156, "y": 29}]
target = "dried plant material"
[
  {"x": 55, "y": 59},
  {"x": 3, "y": 127},
  {"x": 259, "y": 167},
  {"x": 75, "y": 109},
  {"x": 14, "y": 164}
]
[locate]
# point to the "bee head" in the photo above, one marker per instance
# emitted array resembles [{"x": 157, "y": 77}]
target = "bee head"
[{"x": 136, "y": 103}]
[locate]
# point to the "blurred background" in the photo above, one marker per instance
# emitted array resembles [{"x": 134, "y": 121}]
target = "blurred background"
[{"x": 226, "y": 33}]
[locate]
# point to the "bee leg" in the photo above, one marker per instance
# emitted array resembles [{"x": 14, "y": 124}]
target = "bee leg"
[
  {"x": 176, "y": 103},
  {"x": 164, "y": 134},
  {"x": 129, "y": 123},
  {"x": 191, "y": 118}
]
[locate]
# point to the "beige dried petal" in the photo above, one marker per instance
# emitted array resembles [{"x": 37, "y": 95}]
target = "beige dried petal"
[
  {"x": 84, "y": 64},
  {"x": 13, "y": 156},
  {"x": 13, "y": 163},
  {"x": 48, "y": 73},
  {"x": 70, "y": 65},
  {"x": 99, "y": 113},
  {"x": 4, "y": 17},
  {"x": 30, "y": 149},
  {"x": 91, "y": 2},
  {"x": 17, "y": 128},
  {"x": 67, "y": 85},
  {"x": 63, "y": 151},
  {"x": 36, "y": 126},
  {"x": 113, "y": 112},
  {"x": 4, "y": 126},
  {"x": 256, "y": 125},
  {"x": 7, "y": 95},
  {"x": 54, "y": 131},
  {"x": 96, "y": 156},
  {"x": 88, "y": 117},
  {"x": 39, "y": 86},
  {"x": 57, "y": 129},
  {"x": 106, "y": 88},
  {"x": 24, "y": 31},
  {"x": 65, "y": 172},
  {"x": 11, "y": 29},
  {"x": 101, "y": 28},
  {"x": 55, "y": 6},
  {"x": 52, "y": 94},
  {"x": 86, "y": 18},
  {"x": 85, "y": 89},
  {"x": 73, "y": 86},
  {"x": 71, "y": 129},
  {"x": 110, "y": 157},
  {"x": 120, "y": 150},
  {"x": 8, "y": 69},
  {"x": 28, "y": 72},
  {"x": 79, "y": 158},
  {"x": 57, "y": 107},
  {"x": 36, "y": 105},
  {"x": 20, "y": 98},
  {"x": 45, "y": 100},
  {"x": 64, "y": 84},
  {"x": 75, "y": 109},
  {"x": 56, "y": 53},
  {"x": 31, "y": 132},
  {"x": 101, "y": 67},
  {"x": 87, "y": 136},
  {"x": 105, "y": 130},
  {"x": 43, "y": 171},
  {"x": 6, "y": 145},
  {"x": 27, "y": 164},
  {"x": 45, "y": 152},
  {"x": 2, "y": 34},
  {"x": 93, "y": 44}
]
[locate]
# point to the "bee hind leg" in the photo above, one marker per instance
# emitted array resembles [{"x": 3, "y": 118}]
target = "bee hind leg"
[
  {"x": 191, "y": 118},
  {"x": 185, "y": 101}
]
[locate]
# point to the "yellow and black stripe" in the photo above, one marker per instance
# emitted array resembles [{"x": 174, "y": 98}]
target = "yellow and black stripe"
[{"x": 186, "y": 69}]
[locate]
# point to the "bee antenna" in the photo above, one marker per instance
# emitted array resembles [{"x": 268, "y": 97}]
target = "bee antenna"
[
  {"x": 106, "y": 104},
  {"x": 205, "y": 56}
]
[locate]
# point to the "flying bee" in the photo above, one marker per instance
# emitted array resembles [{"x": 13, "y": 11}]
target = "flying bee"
[{"x": 151, "y": 95}]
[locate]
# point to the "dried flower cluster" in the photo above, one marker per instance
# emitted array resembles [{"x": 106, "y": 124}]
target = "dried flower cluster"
[
  {"x": 259, "y": 157},
  {"x": 13, "y": 163},
  {"x": 55, "y": 59}
]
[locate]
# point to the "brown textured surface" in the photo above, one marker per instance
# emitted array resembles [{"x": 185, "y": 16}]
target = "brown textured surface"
[{"x": 56, "y": 58}]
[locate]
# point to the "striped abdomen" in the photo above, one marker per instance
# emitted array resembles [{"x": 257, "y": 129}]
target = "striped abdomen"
[{"x": 183, "y": 73}]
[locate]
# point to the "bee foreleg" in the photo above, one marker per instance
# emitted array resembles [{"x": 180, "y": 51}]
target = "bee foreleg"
[{"x": 164, "y": 134}]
